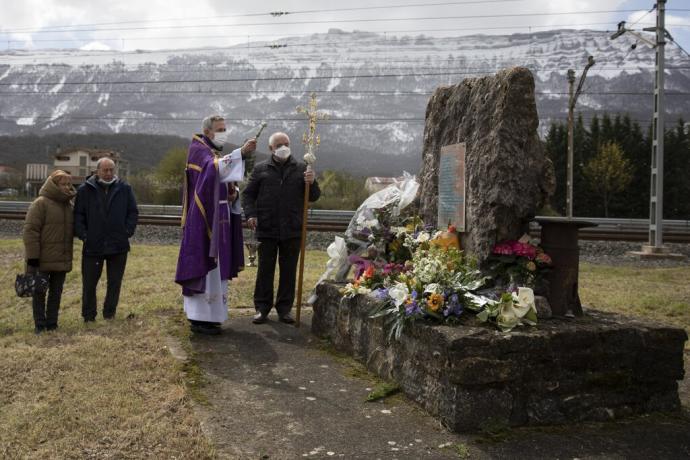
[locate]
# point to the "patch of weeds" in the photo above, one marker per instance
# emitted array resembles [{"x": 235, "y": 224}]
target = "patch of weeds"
[
  {"x": 383, "y": 390},
  {"x": 195, "y": 381},
  {"x": 462, "y": 450}
]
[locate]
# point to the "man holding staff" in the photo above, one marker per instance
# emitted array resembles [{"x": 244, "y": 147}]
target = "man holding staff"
[{"x": 273, "y": 205}]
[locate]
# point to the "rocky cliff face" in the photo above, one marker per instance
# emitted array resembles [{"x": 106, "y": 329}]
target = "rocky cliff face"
[{"x": 508, "y": 175}]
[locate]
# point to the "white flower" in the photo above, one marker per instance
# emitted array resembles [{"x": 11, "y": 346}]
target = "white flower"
[
  {"x": 398, "y": 293},
  {"x": 518, "y": 310},
  {"x": 423, "y": 237}
]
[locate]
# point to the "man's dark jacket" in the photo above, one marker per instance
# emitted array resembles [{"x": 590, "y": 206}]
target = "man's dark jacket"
[
  {"x": 105, "y": 221},
  {"x": 275, "y": 197}
]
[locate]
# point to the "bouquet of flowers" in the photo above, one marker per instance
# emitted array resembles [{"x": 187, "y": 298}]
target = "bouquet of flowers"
[{"x": 518, "y": 263}]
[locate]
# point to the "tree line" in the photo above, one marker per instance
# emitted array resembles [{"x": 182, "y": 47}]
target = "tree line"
[
  {"x": 163, "y": 184},
  {"x": 611, "y": 174}
]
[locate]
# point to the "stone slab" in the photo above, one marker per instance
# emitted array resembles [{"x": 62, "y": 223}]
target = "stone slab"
[{"x": 598, "y": 367}]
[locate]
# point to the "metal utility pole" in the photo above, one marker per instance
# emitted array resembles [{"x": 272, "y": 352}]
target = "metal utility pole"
[
  {"x": 572, "y": 100},
  {"x": 656, "y": 198}
]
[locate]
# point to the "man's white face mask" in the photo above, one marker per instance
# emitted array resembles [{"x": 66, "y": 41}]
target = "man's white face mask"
[
  {"x": 282, "y": 152},
  {"x": 107, "y": 182},
  {"x": 220, "y": 138}
]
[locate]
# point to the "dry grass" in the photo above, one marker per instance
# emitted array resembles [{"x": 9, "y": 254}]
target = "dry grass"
[
  {"x": 660, "y": 294},
  {"x": 111, "y": 389}
]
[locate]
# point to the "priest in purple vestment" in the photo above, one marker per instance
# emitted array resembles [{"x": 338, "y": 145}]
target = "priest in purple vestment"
[{"x": 211, "y": 251}]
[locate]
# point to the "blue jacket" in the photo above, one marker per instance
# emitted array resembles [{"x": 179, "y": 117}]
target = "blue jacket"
[{"x": 105, "y": 221}]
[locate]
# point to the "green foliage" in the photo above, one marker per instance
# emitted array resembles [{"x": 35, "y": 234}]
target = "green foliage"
[
  {"x": 169, "y": 177},
  {"x": 383, "y": 390},
  {"x": 633, "y": 200},
  {"x": 608, "y": 173},
  {"x": 340, "y": 190}
]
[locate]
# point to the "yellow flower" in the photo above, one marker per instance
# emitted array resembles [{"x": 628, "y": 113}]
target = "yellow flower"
[
  {"x": 531, "y": 266},
  {"x": 435, "y": 302}
]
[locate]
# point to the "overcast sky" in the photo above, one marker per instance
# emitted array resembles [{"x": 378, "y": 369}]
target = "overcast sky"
[{"x": 175, "y": 24}]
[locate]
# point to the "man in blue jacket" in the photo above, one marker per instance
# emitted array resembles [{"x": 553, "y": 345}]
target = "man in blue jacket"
[{"x": 105, "y": 216}]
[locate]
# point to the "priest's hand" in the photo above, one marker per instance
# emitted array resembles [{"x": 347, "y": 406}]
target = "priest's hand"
[
  {"x": 248, "y": 148},
  {"x": 309, "y": 176},
  {"x": 251, "y": 223},
  {"x": 232, "y": 193}
]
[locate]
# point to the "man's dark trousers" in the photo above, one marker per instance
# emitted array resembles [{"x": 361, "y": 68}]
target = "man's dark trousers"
[
  {"x": 287, "y": 254},
  {"x": 92, "y": 267}
]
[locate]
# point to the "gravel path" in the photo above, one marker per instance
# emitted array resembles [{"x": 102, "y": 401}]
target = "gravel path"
[{"x": 598, "y": 252}]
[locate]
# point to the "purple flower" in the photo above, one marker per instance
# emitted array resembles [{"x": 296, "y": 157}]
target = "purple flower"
[
  {"x": 381, "y": 293},
  {"x": 453, "y": 307},
  {"x": 412, "y": 308}
]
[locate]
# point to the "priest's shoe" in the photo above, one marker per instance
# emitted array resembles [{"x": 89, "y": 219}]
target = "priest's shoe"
[
  {"x": 287, "y": 319},
  {"x": 259, "y": 318},
  {"x": 205, "y": 329}
]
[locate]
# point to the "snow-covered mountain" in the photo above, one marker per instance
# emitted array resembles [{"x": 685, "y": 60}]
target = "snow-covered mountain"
[{"x": 168, "y": 92}]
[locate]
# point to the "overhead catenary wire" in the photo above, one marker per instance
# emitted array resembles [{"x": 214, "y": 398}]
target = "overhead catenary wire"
[
  {"x": 282, "y": 36},
  {"x": 67, "y": 28},
  {"x": 348, "y": 21},
  {"x": 289, "y": 78}
]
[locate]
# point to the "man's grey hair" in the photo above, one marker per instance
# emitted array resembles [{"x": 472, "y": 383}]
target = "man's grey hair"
[
  {"x": 273, "y": 137},
  {"x": 207, "y": 123},
  {"x": 101, "y": 160}
]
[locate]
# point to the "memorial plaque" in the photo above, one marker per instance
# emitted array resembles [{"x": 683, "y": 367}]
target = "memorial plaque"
[{"x": 451, "y": 187}]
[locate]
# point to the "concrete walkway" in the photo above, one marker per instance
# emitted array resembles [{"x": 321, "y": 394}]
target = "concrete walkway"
[{"x": 276, "y": 392}]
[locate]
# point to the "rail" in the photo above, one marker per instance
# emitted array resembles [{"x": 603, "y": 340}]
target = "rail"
[{"x": 337, "y": 221}]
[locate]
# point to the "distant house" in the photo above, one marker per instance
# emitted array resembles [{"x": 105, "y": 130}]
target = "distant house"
[
  {"x": 36, "y": 174},
  {"x": 81, "y": 162},
  {"x": 374, "y": 184}
]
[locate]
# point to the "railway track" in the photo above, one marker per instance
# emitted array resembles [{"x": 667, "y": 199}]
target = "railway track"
[{"x": 675, "y": 231}]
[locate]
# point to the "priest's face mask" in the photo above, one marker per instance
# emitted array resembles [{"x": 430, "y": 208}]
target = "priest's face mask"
[{"x": 218, "y": 132}]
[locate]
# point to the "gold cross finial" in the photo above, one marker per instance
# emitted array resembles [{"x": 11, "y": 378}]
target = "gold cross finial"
[{"x": 310, "y": 138}]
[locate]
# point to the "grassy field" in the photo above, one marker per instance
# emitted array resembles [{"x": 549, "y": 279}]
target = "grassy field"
[
  {"x": 112, "y": 389},
  {"x": 661, "y": 294}
]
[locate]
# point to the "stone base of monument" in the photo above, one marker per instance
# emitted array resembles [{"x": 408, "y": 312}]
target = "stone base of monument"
[{"x": 471, "y": 376}]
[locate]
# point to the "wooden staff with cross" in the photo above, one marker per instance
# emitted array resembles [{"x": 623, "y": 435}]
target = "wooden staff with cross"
[{"x": 311, "y": 140}]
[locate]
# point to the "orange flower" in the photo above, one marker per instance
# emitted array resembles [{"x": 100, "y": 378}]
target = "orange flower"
[
  {"x": 435, "y": 302},
  {"x": 369, "y": 272}
]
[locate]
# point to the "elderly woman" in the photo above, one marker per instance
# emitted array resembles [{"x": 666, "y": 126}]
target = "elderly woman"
[{"x": 48, "y": 234}]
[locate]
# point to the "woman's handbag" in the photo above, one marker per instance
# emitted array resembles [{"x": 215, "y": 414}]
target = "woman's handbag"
[{"x": 28, "y": 284}]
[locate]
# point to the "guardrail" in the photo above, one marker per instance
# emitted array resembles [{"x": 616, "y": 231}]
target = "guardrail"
[{"x": 337, "y": 221}]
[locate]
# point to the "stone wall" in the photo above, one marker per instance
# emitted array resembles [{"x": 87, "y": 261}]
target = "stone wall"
[
  {"x": 598, "y": 367},
  {"x": 509, "y": 176}
]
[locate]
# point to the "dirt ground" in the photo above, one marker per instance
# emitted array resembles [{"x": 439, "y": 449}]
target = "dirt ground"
[{"x": 277, "y": 392}]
